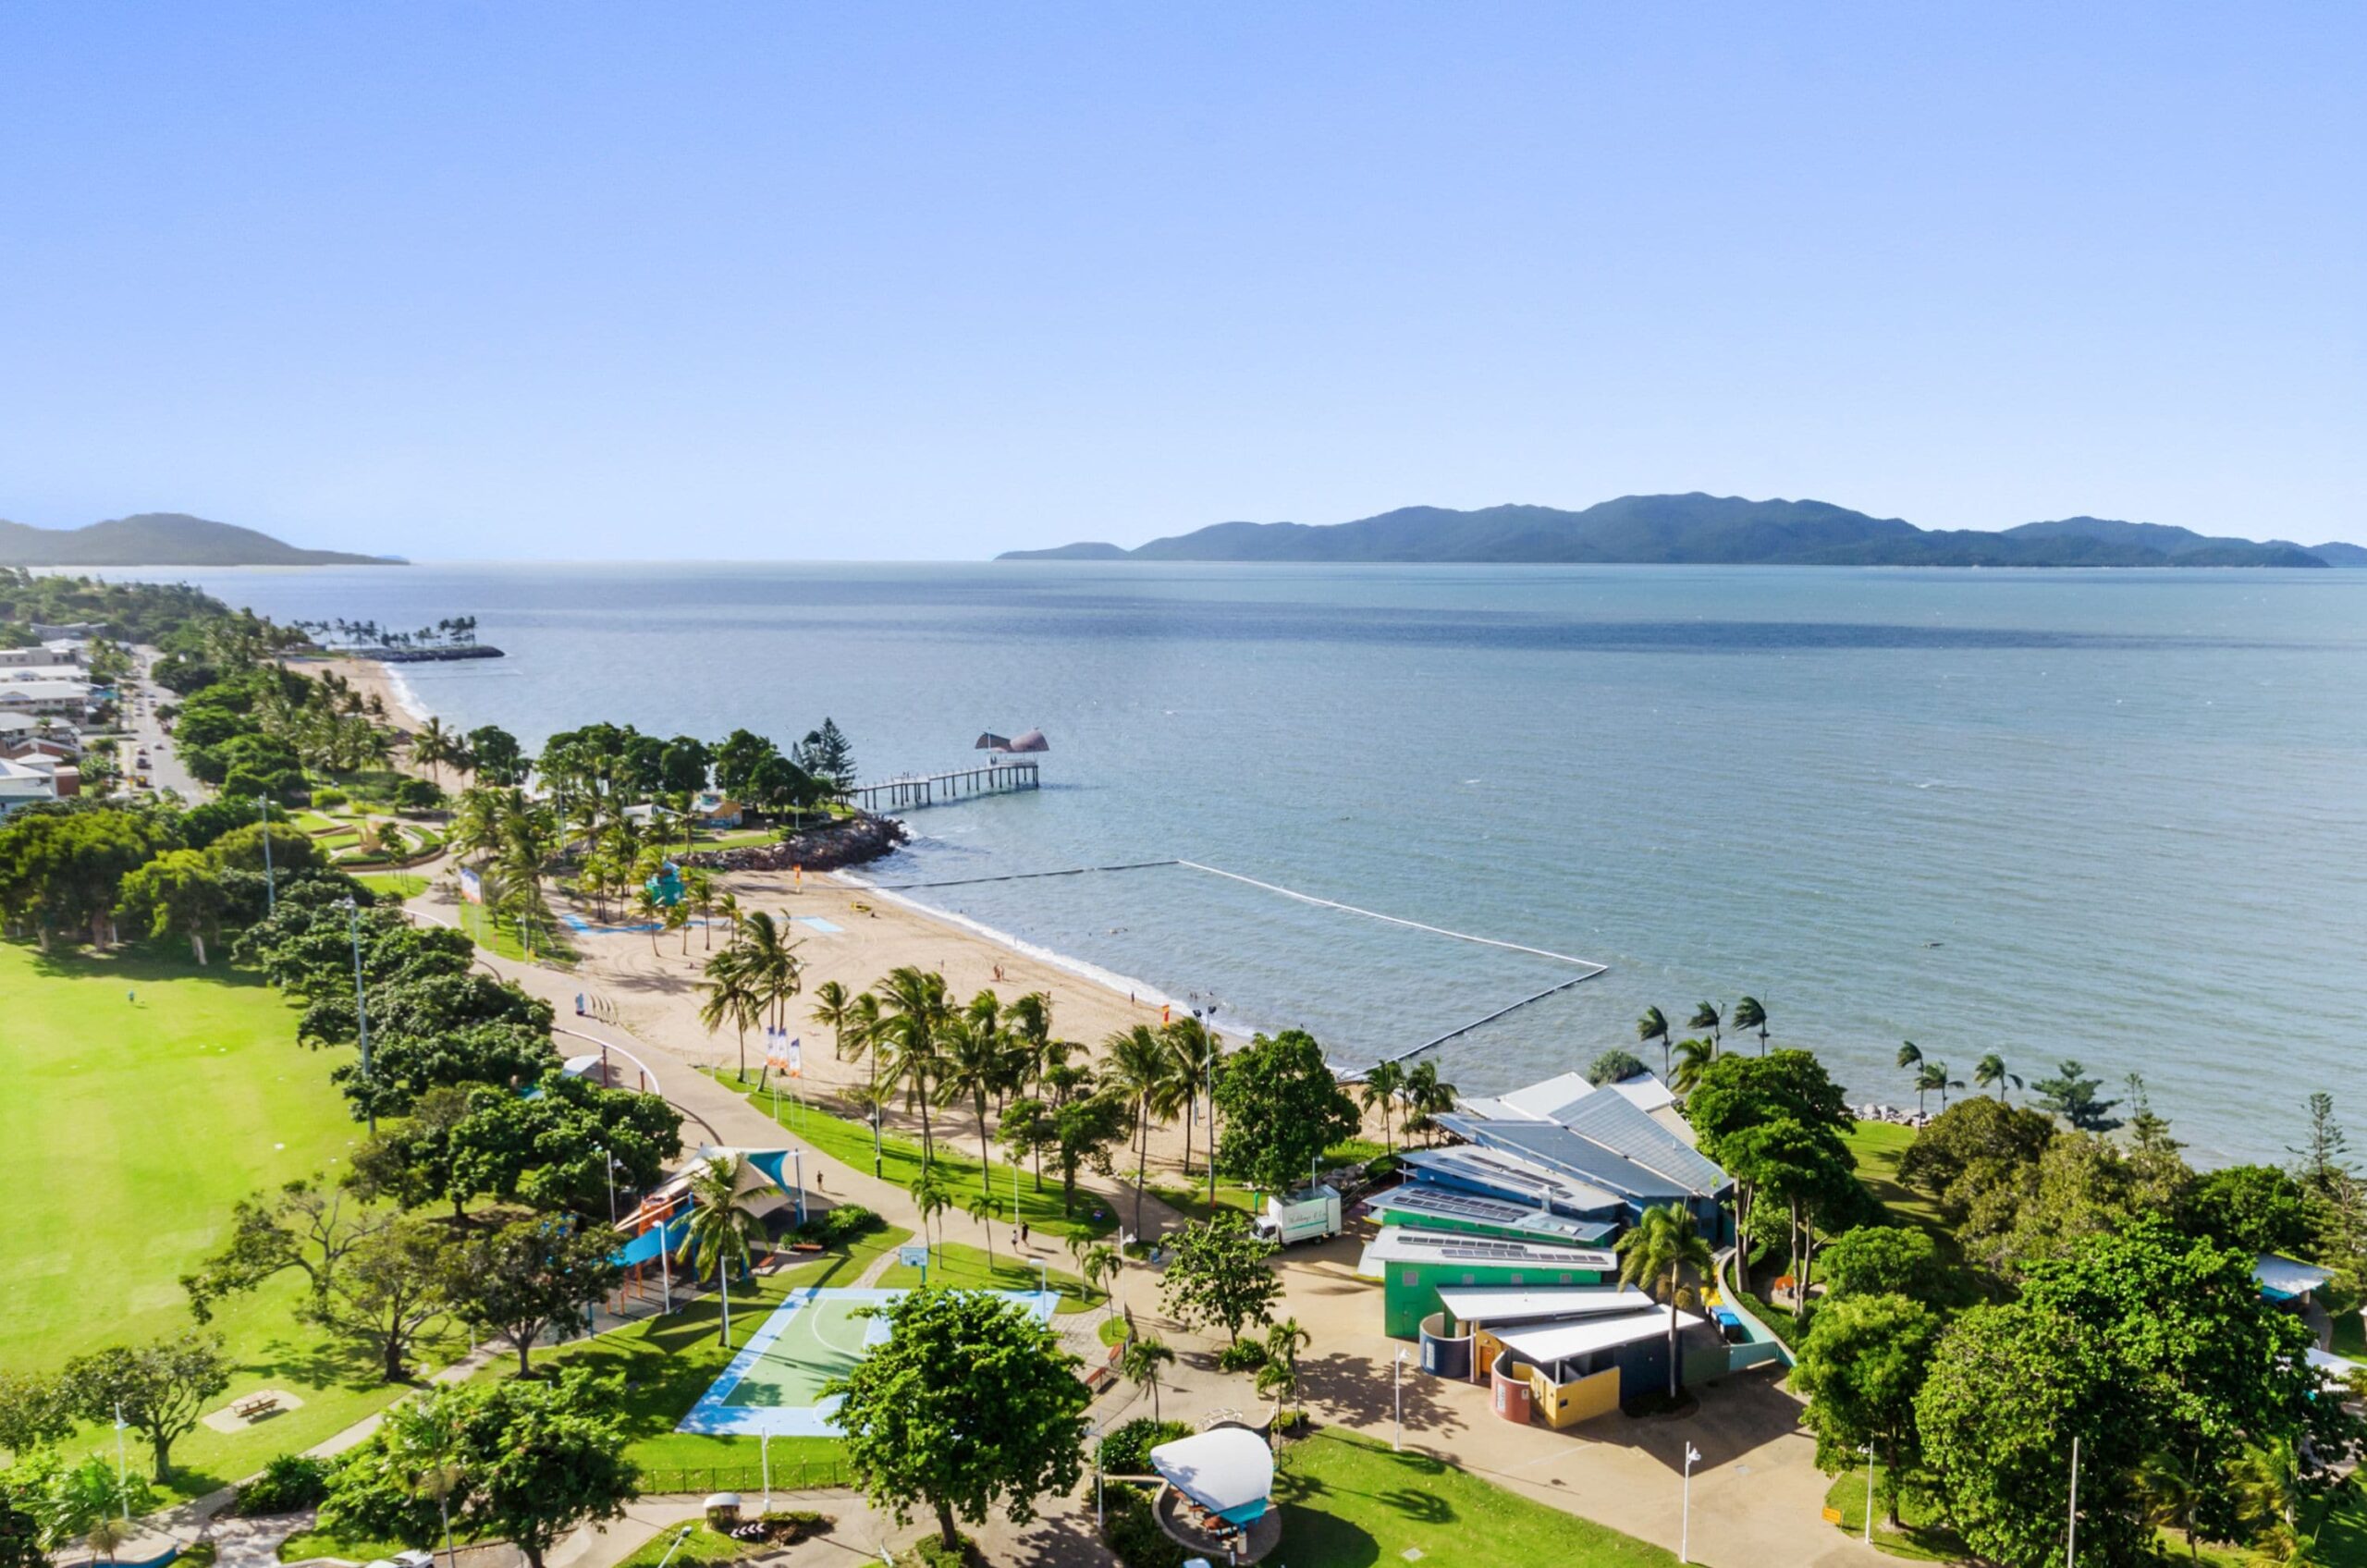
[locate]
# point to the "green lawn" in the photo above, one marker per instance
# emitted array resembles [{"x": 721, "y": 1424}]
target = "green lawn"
[
  {"x": 1348, "y": 1502},
  {"x": 1876, "y": 1146},
  {"x": 849, "y": 1143},
  {"x": 400, "y": 886},
  {"x": 1922, "y": 1538},
  {"x": 667, "y": 1363},
  {"x": 550, "y": 947},
  {"x": 966, "y": 1268},
  {"x": 144, "y": 1097}
]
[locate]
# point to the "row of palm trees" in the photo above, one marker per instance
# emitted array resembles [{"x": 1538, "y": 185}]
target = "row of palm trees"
[
  {"x": 1684, "y": 1061},
  {"x": 1933, "y": 1077},
  {"x": 1415, "y": 1095},
  {"x": 928, "y": 1050}
]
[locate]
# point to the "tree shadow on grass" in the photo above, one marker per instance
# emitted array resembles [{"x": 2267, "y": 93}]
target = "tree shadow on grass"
[
  {"x": 319, "y": 1365},
  {"x": 142, "y": 964}
]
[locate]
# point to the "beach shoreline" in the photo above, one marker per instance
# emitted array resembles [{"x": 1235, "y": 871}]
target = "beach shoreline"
[{"x": 373, "y": 678}]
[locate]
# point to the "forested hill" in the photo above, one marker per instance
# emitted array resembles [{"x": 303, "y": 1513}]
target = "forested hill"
[
  {"x": 1722, "y": 529},
  {"x": 162, "y": 539}
]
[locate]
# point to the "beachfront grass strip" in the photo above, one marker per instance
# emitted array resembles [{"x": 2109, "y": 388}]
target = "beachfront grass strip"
[
  {"x": 849, "y": 1143},
  {"x": 145, "y": 1097},
  {"x": 966, "y": 1269},
  {"x": 668, "y": 1362},
  {"x": 501, "y": 940},
  {"x": 1348, "y": 1500},
  {"x": 1877, "y": 1146}
]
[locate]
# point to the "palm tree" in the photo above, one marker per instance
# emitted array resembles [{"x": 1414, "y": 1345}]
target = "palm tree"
[
  {"x": 646, "y": 904},
  {"x": 109, "y": 1531},
  {"x": 1654, "y": 1026},
  {"x": 1656, "y": 1254},
  {"x": 1139, "y": 1364},
  {"x": 721, "y": 1227},
  {"x": 975, "y": 1060},
  {"x": 1692, "y": 1060},
  {"x": 1277, "y": 1379},
  {"x": 914, "y": 1014},
  {"x": 432, "y": 746},
  {"x": 2172, "y": 1493},
  {"x": 1194, "y": 1050},
  {"x": 423, "y": 1440},
  {"x": 1909, "y": 1054},
  {"x": 731, "y": 997},
  {"x": 1990, "y": 1069},
  {"x": 1750, "y": 1016},
  {"x": 774, "y": 968},
  {"x": 1138, "y": 1072},
  {"x": 1098, "y": 1264},
  {"x": 1934, "y": 1075},
  {"x": 980, "y": 1206},
  {"x": 1426, "y": 1095},
  {"x": 1707, "y": 1016},
  {"x": 930, "y": 1197},
  {"x": 1384, "y": 1082}
]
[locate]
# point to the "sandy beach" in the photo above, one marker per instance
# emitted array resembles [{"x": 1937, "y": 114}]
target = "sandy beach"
[{"x": 846, "y": 933}]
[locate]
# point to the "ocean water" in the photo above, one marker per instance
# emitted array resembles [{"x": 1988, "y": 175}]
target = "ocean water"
[{"x": 2117, "y": 816}]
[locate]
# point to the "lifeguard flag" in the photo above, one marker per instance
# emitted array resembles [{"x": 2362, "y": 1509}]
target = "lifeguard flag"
[
  {"x": 1164, "y": 1009},
  {"x": 799, "y": 873}
]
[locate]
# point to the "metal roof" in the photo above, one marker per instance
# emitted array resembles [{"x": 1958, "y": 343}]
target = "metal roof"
[
  {"x": 1517, "y": 1179},
  {"x": 1512, "y": 1304},
  {"x": 1619, "y": 1126},
  {"x": 1560, "y": 1149},
  {"x": 1550, "y": 1342},
  {"x": 1504, "y": 1215},
  {"x": 1397, "y": 1244}
]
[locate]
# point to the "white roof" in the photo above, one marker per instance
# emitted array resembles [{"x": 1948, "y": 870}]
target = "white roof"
[
  {"x": 1511, "y": 1303},
  {"x": 1538, "y": 1101},
  {"x": 2286, "y": 1276},
  {"x": 1223, "y": 1469},
  {"x": 1549, "y": 1343},
  {"x": 1549, "y": 1100},
  {"x": 17, "y": 674}
]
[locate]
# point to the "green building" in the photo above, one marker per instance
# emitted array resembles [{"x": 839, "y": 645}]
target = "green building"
[{"x": 1412, "y": 1264}]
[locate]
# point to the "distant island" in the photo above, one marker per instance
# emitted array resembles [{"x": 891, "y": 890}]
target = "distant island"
[
  {"x": 1705, "y": 530},
  {"x": 163, "y": 539}
]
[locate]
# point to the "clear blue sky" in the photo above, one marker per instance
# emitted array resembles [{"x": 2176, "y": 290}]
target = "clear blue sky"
[{"x": 466, "y": 279}]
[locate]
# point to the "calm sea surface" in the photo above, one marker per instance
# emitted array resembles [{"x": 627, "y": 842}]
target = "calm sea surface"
[{"x": 2116, "y": 815}]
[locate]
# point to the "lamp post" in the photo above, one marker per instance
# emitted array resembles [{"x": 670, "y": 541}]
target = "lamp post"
[
  {"x": 122, "y": 1486},
  {"x": 1397, "y": 1437},
  {"x": 270, "y": 882},
  {"x": 1869, "y": 1451},
  {"x": 764, "y": 1455},
  {"x": 362, "y": 1013},
  {"x": 1093, "y": 1430},
  {"x": 1685, "y": 1530},
  {"x": 2071, "y": 1540}
]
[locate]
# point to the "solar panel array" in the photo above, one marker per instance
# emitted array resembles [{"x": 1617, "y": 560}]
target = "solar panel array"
[
  {"x": 1485, "y": 1211},
  {"x": 1481, "y": 1249}
]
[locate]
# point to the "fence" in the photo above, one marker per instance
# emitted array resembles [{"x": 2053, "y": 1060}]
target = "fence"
[{"x": 788, "y": 1475}]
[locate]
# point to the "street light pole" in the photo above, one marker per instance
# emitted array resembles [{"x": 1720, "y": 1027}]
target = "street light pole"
[
  {"x": 270, "y": 882},
  {"x": 1685, "y": 1530},
  {"x": 2071, "y": 1542},
  {"x": 362, "y": 1013},
  {"x": 1869, "y": 1451},
  {"x": 1093, "y": 1430}
]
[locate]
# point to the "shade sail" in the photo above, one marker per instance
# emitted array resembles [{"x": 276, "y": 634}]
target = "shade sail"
[{"x": 1228, "y": 1470}]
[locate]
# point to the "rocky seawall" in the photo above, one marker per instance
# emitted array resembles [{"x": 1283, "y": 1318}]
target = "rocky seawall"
[{"x": 851, "y": 842}]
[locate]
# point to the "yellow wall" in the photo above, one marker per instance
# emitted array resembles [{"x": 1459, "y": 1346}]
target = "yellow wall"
[{"x": 1566, "y": 1404}]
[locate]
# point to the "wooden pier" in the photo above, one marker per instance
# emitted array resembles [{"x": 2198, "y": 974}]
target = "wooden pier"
[{"x": 939, "y": 789}]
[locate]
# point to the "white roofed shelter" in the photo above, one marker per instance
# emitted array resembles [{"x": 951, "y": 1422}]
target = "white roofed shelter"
[{"x": 1217, "y": 1496}]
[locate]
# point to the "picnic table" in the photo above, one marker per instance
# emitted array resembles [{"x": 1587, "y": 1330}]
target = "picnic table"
[{"x": 258, "y": 1404}]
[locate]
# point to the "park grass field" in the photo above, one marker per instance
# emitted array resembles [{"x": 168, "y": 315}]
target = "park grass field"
[
  {"x": 400, "y": 886},
  {"x": 849, "y": 1143},
  {"x": 966, "y": 1269},
  {"x": 1348, "y": 1501},
  {"x": 144, "y": 1098}
]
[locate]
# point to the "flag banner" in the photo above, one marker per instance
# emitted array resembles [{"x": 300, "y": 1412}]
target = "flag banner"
[
  {"x": 796, "y": 1063},
  {"x": 472, "y": 886},
  {"x": 777, "y": 1055}
]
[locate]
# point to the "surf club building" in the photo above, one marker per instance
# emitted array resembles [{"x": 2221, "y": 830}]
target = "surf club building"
[{"x": 1494, "y": 1252}]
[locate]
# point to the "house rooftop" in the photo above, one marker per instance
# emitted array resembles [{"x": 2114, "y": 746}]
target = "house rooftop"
[
  {"x": 1550, "y": 1342},
  {"x": 1502, "y": 1174},
  {"x": 1511, "y": 1303},
  {"x": 1441, "y": 1204},
  {"x": 1397, "y": 1244}
]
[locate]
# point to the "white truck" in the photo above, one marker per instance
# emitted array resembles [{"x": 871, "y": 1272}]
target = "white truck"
[{"x": 1303, "y": 1215}]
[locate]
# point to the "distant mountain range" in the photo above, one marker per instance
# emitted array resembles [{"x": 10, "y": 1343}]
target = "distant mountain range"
[
  {"x": 162, "y": 539},
  {"x": 1709, "y": 530}
]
